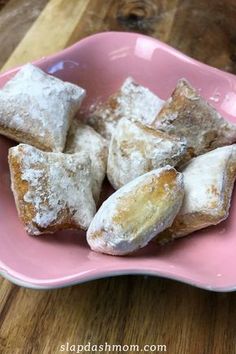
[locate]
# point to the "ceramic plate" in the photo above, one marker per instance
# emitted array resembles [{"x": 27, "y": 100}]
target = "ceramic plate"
[{"x": 100, "y": 64}]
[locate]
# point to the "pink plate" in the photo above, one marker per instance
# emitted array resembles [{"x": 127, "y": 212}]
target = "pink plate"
[{"x": 100, "y": 63}]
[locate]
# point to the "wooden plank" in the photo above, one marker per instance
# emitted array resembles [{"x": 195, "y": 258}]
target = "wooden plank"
[
  {"x": 3, "y": 3},
  {"x": 124, "y": 310},
  {"x": 5, "y": 290},
  {"x": 15, "y": 20},
  {"x": 182, "y": 24},
  {"x": 149, "y": 17},
  {"x": 50, "y": 31},
  {"x": 205, "y": 30}
]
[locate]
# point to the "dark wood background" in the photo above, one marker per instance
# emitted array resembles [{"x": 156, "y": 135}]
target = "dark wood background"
[{"x": 129, "y": 309}]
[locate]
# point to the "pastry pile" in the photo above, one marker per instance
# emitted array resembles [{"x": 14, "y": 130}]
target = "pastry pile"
[{"x": 172, "y": 163}]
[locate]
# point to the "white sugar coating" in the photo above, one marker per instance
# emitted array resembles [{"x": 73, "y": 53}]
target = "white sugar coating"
[
  {"x": 138, "y": 102},
  {"x": 136, "y": 149},
  {"x": 205, "y": 179},
  {"x": 132, "y": 101},
  {"x": 39, "y": 107},
  {"x": 188, "y": 115},
  {"x": 83, "y": 138},
  {"x": 56, "y": 182},
  {"x": 117, "y": 236}
]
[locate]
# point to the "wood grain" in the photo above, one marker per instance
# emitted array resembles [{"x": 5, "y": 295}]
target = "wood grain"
[
  {"x": 3, "y": 3},
  {"x": 203, "y": 30},
  {"x": 131, "y": 309},
  {"x": 44, "y": 38},
  {"x": 16, "y": 17},
  {"x": 124, "y": 310}
]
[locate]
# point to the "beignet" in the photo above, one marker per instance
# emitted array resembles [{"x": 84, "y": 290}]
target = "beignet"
[
  {"x": 52, "y": 191},
  {"x": 83, "y": 138},
  {"x": 208, "y": 184},
  {"x": 136, "y": 149},
  {"x": 37, "y": 109},
  {"x": 130, "y": 101},
  {"x": 135, "y": 213},
  {"x": 188, "y": 115}
]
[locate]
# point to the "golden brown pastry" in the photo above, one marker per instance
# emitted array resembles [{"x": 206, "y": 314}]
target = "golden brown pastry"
[
  {"x": 52, "y": 191},
  {"x": 188, "y": 115},
  {"x": 136, "y": 149},
  {"x": 130, "y": 101},
  {"x": 83, "y": 138},
  {"x": 135, "y": 213},
  {"x": 37, "y": 109},
  {"x": 208, "y": 184}
]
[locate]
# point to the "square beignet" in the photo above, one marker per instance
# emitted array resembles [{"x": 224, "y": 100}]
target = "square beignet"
[
  {"x": 83, "y": 138},
  {"x": 188, "y": 115},
  {"x": 130, "y": 101},
  {"x": 208, "y": 184},
  {"x": 52, "y": 191},
  {"x": 135, "y": 213},
  {"x": 136, "y": 149},
  {"x": 37, "y": 108}
]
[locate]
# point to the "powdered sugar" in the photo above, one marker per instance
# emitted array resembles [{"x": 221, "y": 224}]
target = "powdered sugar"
[
  {"x": 57, "y": 184},
  {"x": 188, "y": 115},
  {"x": 83, "y": 138},
  {"x": 136, "y": 149},
  {"x": 135, "y": 213},
  {"x": 208, "y": 185},
  {"x": 138, "y": 102},
  {"x": 204, "y": 179},
  {"x": 39, "y": 107},
  {"x": 132, "y": 101}
]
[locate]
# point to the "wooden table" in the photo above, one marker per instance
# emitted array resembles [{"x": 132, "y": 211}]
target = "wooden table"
[{"x": 129, "y": 309}]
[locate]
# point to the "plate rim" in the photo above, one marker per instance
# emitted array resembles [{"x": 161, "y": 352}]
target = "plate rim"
[{"x": 60, "y": 283}]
